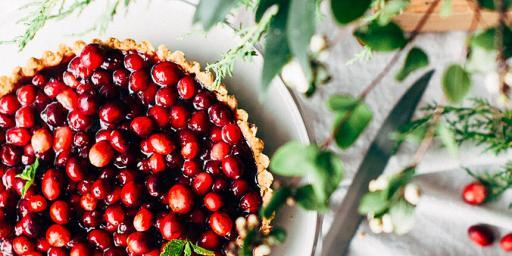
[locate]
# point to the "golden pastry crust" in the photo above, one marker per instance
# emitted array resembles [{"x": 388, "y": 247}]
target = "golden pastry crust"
[{"x": 205, "y": 78}]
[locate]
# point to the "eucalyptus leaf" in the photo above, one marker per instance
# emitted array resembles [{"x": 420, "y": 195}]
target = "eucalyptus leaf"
[
  {"x": 487, "y": 40},
  {"x": 346, "y": 11},
  {"x": 402, "y": 217},
  {"x": 342, "y": 102},
  {"x": 384, "y": 38},
  {"x": 306, "y": 198},
  {"x": 349, "y": 124},
  {"x": 373, "y": 203},
  {"x": 416, "y": 59},
  {"x": 448, "y": 138},
  {"x": 300, "y": 27},
  {"x": 294, "y": 159},
  {"x": 210, "y": 12},
  {"x": 327, "y": 175},
  {"x": 276, "y": 52},
  {"x": 278, "y": 199},
  {"x": 456, "y": 83}
]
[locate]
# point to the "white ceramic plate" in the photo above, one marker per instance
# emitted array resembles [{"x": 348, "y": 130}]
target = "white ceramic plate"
[{"x": 169, "y": 22}]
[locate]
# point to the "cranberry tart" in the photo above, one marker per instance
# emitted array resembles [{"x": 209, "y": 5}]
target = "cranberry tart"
[{"x": 131, "y": 146}]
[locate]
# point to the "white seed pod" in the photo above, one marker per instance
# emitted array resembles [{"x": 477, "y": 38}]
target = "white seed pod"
[
  {"x": 375, "y": 225},
  {"x": 508, "y": 78},
  {"x": 378, "y": 184},
  {"x": 318, "y": 43},
  {"x": 240, "y": 223},
  {"x": 412, "y": 193},
  {"x": 294, "y": 77},
  {"x": 262, "y": 250},
  {"x": 387, "y": 224},
  {"x": 252, "y": 221},
  {"x": 492, "y": 82}
]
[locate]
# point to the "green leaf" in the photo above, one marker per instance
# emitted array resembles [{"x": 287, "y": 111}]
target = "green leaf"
[
  {"x": 263, "y": 6},
  {"x": 402, "y": 216},
  {"x": 397, "y": 181},
  {"x": 250, "y": 239},
  {"x": 277, "y": 235},
  {"x": 448, "y": 138},
  {"x": 346, "y": 11},
  {"x": 278, "y": 199},
  {"x": 373, "y": 203},
  {"x": 300, "y": 28},
  {"x": 381, "y": 38},
  {"x": 416, "y": 59},
  {"x": 276, "y": 52},
  {"x": 456, "y": 83},
  {"x": 342, "y": 102},
  {"x": 202, "y": 251},
  {"x": 294, "y": 159},
  {"x": 28, "y": 175},
  {"x": 188, "y": 250},
  {"x": 350, "y": 122},
  {"x": 210, "y": 12},
  {"x": 306, "y": 198},
  {"x": 327, "y": 175},
  {"x": 487, "y": 40},
  {"x": 390, "y": 10},
  {"x": 174, "y": 248},
  {"x": 489, "y": 4}
]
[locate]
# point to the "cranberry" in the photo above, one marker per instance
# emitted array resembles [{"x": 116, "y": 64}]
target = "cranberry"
[
  {"x": 231, "y": 167},
  {"x": 120, "y": 239},
  {"x": 213, "y": 201},
  {"x": 170, "y": 227},
  {"x": 165, "y": 97},
  {"x": 26, "y": 94},
  {"x": 239, "y": 187},
  {"x": 203, "y": 100},
  {"x": 57, "y": 251},
  {"x": 60, "y": 212},
  {"x": 209, "y": 240},
  {"x": 22, "y": 245},
  {"x": 101, "y": 188},
  {"x": 142, "y": 125},
  {"x": 186, "y": 88},
  {"x": 157, "y": 163},
  {"x": 102, "y": 135},
  {"x": 30, "y": 226},
  {"x": 221, "y": 223},
  {"x": 69, "y": 79},
  {"x": 219, "y": 151},
  {"x": 212, "y": 167},
  {"x": 219, "y": 184},
  {"x": 506, "y": 242},
  {"x": 87, "y": 104},
  {"x": 88, "y": 202},
  {"x": 68, "y": 99},
  {"x": 113, "y": 197},
  {"x": 114, "y": 215},
  {"x": 179, "y": 116},
  {"x": 180, "y": 199},
  {"x": 475, "y": 193},
  {"x": 131, "y": 194},
  {"x": 42, "y": 244},
  {"x": 10, "y": 155},
  {"x": 202, "y": 183},
  {"x": 219, "y": 114},
  {"x": 199, "y": 122},
  {"x": 51, "y": 184},
  {"x": 79, "y": 249},
  {"x": 138, "y": 81},
  {"x": 57, "y": 235},
  {"x": 91, "y": 219},
  {"x": 118, "y": 141},
  {"x": 6, "y": 121},
  {"x": 481, "y": 235},
  {"x": 159, "y": 115},
  {"x": 37, "y": 203},
  {"x": 41, "y": 140},
  {"x": 92, "y": 57},
  {"x": 113, "y": 59},
  {"x": 75, "y": 169},
  {"x": 54, "y": 114},
  {"x": 63, "y": 139},
  {"x": 161, "y": 143},
  {"x": 17, "y": 136},
  {"x": 191, "y": 168},
  {"x": 78, "y": 121},
  {"x": 134, "y": 62},
  {"x": 9, "y": 104},
  {"x": 148, "y": 95},
  {"x": 251, "y": 202},
  {"x": 53, "y": 88},
  {"x": 100, "y": 239},
  {"x": 138, "y": 243},
  {"x": 111, "y": 113},
  {"x": 165, "y": 73},
  {"x": 100, "y": 77},
  {"x": 190, "y": 150},
  {"x": 143, "y": 220},
  {"x": 24, "y": 117},
  {"x": 231, "y": 133},
  {"x": 39, "y": 80},
  {"x": 101, "y": 154}
]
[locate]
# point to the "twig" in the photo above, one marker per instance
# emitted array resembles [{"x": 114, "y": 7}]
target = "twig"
[
  {"x": 429, "y": 136},
  {"x": 502, "y": 66}
]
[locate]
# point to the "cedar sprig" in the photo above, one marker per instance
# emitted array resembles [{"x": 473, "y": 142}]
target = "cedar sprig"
[{"x": 496, "y": 183}]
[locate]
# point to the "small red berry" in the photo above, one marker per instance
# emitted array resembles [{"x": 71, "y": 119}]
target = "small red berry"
[
  {"x": 475, "y": 193},
  {"x": 62, "y": 139},
  {"x": 179, "y": 116},
  {"x": 138, "y": 81},
  {"x": 165, "y": 73},
  {"x": 142, "y": 125},
  {"x": 60, "y": 212},
  {"x": 25, "y": 117},
  {"x": 143, "y": 220},
  {"x": 170, "y": 227},
  {"x": 180, "y": 199},
  {"x": 134, "y": 62},
  {"x": 161, "y": 143},
  {"x": 186, "y": 88},
  {"x": 221, "y": 223},
  {"x": 231, "y": 133},
  {"x": 219, "y": 151},
  {"x": 101, "y": 154},
  {"x": 506, "y": 242},
  {"x": 57, "y": 235},
  {"x": 41, "y": 140},
  {"x": 213, "y": 201},
  {"x": 481, "y": 235},
  {"x": 202, "y": 183},
  {"x": 91, "y": 57},
  {"x": 165, "y": 97}
]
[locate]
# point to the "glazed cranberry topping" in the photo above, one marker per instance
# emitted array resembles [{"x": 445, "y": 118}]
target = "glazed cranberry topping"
[{"x": 132, "y": 152}]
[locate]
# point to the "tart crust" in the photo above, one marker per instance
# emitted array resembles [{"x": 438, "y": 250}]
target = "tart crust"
[{"x": 205, "y": 78}]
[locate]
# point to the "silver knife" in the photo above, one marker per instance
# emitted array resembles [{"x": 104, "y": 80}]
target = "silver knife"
[{"x": 347, "y": 219}]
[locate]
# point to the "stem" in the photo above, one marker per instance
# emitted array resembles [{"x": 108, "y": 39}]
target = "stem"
[
  {"x": 501, "y": 58},
  {"x": 429, "y": 136}
]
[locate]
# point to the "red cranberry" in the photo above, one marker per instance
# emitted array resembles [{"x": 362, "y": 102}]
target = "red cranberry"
[
  {"x": 113, "y": 59},
  {"x": 37, "y": 203},
  {"x": 88, "y": 202},
  {"x": 231, "y": 133},
  {"x": 202, "y": 183},
  {"x": 179, "y": 116},
  {"x": 30, "y": 226},
  {"x": 43, "y": 245},
  {"x": 102, "y": 135},
  {"x": 100, "y": 239},
  {"x": 91, "y": 219},
  {"x": 111, "y": 113},
  {"x": 221, "y": 223},
  {"x": 180, "y": 199},
  {"x": 57, "y": 235},
  {"x": 190, "y": 150},
  {"x": 25, "y": 117},
  {"x": 79, "y": 121},
  {"x": 87, "y": 104},
  {"x": 79, "y": 249},
  {"x": 113, "y": 197},
  {"x": 170, "y": 227},
  {"x": 203, "y": 100},
  {"x": 118, "y": 141},
  {"x": 114, "y": 215},
  {"x": 143, "y": 220},
  {"x": 148, "y": 95},
  {"x": 138, "y": 81},
  {"x": 51, "y": 184},
  {"x": 57, "y": 251},
  {"x": 191, "y": 168},
  {"x": 231, "y": 167},
  {"x": 506, "y": 242},
  {"x": 54, "y": 114},
  {"x": 219, "y": 114},
  {"x": 120, "y": 239},
  {"x": 92, "y": 57},
  {"x": 39, "y": 80},
  {"x": 134, "y": 62},
  {"x": 239, "y": 187},
  {"x": 6, "y": 121},
  {"x": 199, "y": 122},
  {"x": 251, "y": 202},
  {"x": 212, "y": 167},
  {"x": 101, "y": 154},
  {"x": 186, "y": 88},
  {"x": 68, "y": 99},
  {"x": 69, "y": 79},
  {"x": 101, "y": 188},
  {"x": 9, "y": 104},
  {"x": 165, "y": 73},
  {"x": 26, "y": 94},
  {"x": 219, "y": 185},
  {"x": 60, "y": 212},
  {"x": 159, "y": 115},
  {"x": 62, "y": 139},
  {"x": 41, "y": 140},
  {"x": 53, "y": 88},
  {"x": 219, "y": 151},
  {"x": 17, "y": 136},
  {"x": 161, "y": 143},
  {"x": 481, "y": 235},
  {"x": 157, "y": 163},
  {"x": 165, "y": 97},
  {"x": 209, "y": 240},
  {"x": 120, "y": 77},
  {"x": 142, "y": 125},
  {"x": 213, "y": 201},
  {"x": 131, "y": 194},
  {"x": 138, "y": 243},
  {"x": 22, "y": 245},
  {"x": 75, "y": 169},
  {"x": 475, "y": 193}
]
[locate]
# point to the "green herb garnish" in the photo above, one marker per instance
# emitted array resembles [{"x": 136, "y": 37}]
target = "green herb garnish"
[
  {"x": 178, "y": 247},
  {"x": 28, "y": 175}
]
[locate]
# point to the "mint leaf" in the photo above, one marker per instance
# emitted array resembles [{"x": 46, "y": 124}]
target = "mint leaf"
[
  {"x": 188, "y": 250},
  {"x": 28, "y": 175},
  {"x": 456, "y": 83},
  {"x": 294, "y": 159},
  {"x": 416, "y": 59},
  {"x": 174, "y": 248},
  {"x": 384, "y": 38},
  {"x": 300, "y": 28},
  {"x": 210, "y": 12},
  {"x": 201, "y": 251},
  {"x": 278, "y": 199},
  {"x": 346, "y": 11}
]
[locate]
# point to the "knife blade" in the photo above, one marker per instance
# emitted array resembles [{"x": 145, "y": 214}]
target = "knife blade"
[{"x": 346, "y": 218}]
